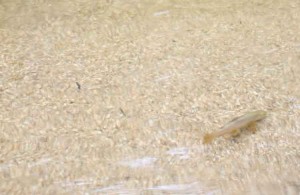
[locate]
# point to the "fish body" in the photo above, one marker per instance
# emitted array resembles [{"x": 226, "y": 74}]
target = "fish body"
[{"x": 234, "y": 126}]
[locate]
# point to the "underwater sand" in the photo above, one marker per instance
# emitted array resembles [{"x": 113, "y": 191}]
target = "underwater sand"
[{"x": 114, "y": 97}]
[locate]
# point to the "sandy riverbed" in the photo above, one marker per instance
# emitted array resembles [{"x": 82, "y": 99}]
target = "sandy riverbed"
[{"x": 107, "y": 97}]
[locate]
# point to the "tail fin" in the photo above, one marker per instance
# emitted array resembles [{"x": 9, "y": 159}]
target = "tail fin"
[{"x": 208, "y": 138}]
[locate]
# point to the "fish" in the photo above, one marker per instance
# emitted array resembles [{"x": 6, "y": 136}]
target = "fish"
[{"x": 233, "y": 127}]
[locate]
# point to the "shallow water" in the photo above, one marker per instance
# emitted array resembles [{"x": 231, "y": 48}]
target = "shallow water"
[{"x": 107, "y": 97}]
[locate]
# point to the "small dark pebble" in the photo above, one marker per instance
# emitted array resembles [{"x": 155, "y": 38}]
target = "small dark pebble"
[
  {"x": 78, "y": 85},
  {"x": 122, "y": 111}
]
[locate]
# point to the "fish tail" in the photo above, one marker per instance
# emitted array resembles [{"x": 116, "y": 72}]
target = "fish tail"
[{"x": 208, "y": 138}]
